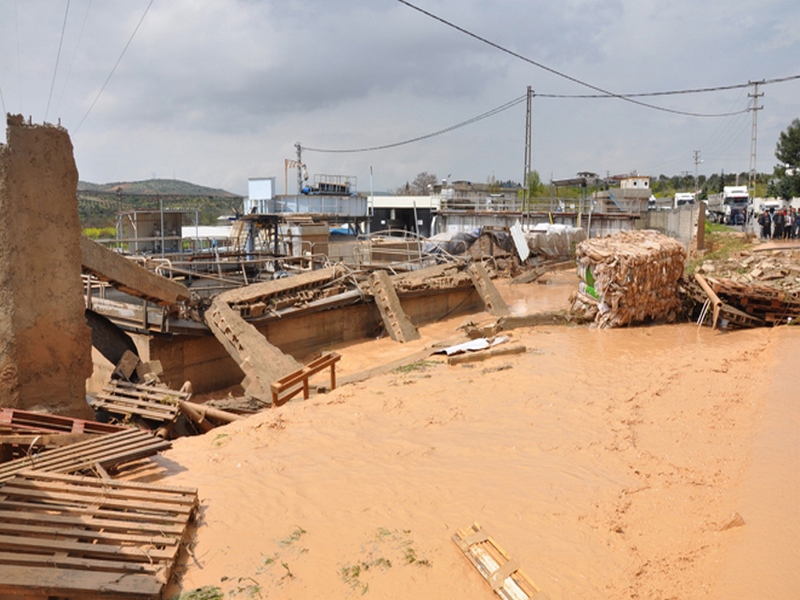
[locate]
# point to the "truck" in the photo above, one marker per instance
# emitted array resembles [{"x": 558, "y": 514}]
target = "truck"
[
  {"x": 729, "y": 207},
  {"x": 682, "y": 198}
]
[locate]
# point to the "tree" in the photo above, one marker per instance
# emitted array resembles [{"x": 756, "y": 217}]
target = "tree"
[
  {"x": 787, "y": 150},
  {"x": 535, "y": 186},
  {"x": 422, "y": 185}
]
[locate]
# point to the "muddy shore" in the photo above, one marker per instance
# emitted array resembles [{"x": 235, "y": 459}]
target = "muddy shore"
[{"x": 648, "y": 462}]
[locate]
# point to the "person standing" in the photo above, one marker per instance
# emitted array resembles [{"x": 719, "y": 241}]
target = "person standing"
[
  {"x": 766, "y": 223},
  {"x": 777, "y": 224}
]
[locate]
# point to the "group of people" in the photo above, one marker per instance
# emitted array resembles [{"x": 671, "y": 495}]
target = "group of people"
[{"x": 780, "y": 224}]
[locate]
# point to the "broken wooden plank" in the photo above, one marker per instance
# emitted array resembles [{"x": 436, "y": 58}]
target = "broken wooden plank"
[
  {"x": 486, "y": 354},
  {"x": 23, "y": 420},
  {"x": 492, "y": 562},
  {"x": 109, "y": 451},
  {"x": 84, "y": 538}
]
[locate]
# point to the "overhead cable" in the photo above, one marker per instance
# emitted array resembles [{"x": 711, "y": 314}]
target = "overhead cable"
[
  {"x": 58, "y": 57},
  {"x": 719, "y": 88},
  {"x": 626, "y": 98},
  {"x": 486, "y": 115},
  {"x": 116, "y": 64},
  {"x": 74, "y": 54}
]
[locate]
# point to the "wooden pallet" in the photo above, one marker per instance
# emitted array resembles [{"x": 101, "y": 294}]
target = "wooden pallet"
[
  {"x": 501, "y": 572},
  {"x": 151, "y": 402},
  {"x": 107, "y": 451},
  {"x": 292, "y": 384},
  {"x": 15, "y": 420},
  {"x": 82, "y": 538}
]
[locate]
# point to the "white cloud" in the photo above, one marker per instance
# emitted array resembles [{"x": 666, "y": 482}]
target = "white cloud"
[{"x": 217, "y": 91}]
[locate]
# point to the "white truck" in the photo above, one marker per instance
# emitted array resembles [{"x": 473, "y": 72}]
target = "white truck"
[
  {"x": 682, "y": 198},
  {"x": 729, "y": 207}
]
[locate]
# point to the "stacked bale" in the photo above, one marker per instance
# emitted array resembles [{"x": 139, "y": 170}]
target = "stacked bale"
[{"x": 630, "y": 277}]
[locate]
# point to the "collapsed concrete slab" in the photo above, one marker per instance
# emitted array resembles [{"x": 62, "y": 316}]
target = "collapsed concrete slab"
[
  {"x": 395, "y": 320},
  {"x": 127, "y": 276},
  {"x": 261, "y": 362},
  {"x": 491, "y": 297},
  {"x": 45, "y": 344}
]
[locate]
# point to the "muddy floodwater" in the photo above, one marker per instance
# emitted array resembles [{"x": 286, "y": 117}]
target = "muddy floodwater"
[{"x": 649, "y": 462}]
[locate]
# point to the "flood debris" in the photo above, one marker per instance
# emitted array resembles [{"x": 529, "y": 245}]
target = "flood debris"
[
  {"x": 753, "y": 288},
  {"x": 491, "y": 352},
  {"x": 292, "y": 384},
  {"x": 66, "y": 536},
  {"x": 628, "y": 278},
  {"x": 495, "y": 565}
]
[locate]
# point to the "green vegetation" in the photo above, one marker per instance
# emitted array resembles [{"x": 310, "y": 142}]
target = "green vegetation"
[
  {"x": 723, "y": 243},
  {"x": 786, "y": 176},
  {"x": 387, "y": 543},
  {"x": 420, "y": 365},
  {"x": 96, "y": 233},
  {"x": 293, "y": 537},
  {"x": 98, "y": 204},
  {"x": 204, "y": 593}
]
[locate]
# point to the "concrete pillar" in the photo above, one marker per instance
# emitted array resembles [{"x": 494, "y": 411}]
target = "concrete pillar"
[{"x": 45, "y": 343}]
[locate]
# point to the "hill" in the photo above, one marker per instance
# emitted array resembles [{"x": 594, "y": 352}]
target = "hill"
[
  {"x": 99, "y": 203},
  {"x": 149, "y": 187}
]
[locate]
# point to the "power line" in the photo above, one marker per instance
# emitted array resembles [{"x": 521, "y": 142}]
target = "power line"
[
  {"x": 116, "y": 64},
  {"x": 74, "y": 54},
  {"x": 486, "y": 115},
  {"x": 625, "y": 97},
  {"x": 19, "y": 60},
  {"x": 719, "y": 88},
  {"x": 58, "y": 57}
]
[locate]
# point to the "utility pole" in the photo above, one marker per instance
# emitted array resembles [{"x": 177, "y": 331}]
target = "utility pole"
[
  {"x": 299, "y": 168},
  {"x": 751, "y": 184},
  {"x": 697, "y": 161},
  {"x": 527, "y": 171}
]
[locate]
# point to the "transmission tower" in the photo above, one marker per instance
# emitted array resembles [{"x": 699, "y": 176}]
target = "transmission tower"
[
  {"x": 751, "y": 184},
  {"x": 697, "y": 161},
  {"x": 527, "y": 171},
  {"x": 299, "y": 168}
]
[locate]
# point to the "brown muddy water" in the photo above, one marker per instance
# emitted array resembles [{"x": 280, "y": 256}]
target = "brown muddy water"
[{"x": 651, "y": 462}]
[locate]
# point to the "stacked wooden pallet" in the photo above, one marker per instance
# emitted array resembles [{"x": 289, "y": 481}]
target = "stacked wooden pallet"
[
  {"x": 152, "y": 402},
  {"x": 630, "y": 277},
  {"x": 761, "y": 303},
  {"x": 83, "y": 538}
]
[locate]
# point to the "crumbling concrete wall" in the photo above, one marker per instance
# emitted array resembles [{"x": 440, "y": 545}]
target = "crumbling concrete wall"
[{"x": 45, "y": 343}]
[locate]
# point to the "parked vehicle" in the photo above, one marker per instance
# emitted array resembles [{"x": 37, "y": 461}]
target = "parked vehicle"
[
  {"x": 729, "y": 207},
  {"x": 682, "y": 198}
]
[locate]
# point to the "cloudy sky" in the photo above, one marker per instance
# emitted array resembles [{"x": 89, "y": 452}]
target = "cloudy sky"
[{"x": 217, "y": 91}]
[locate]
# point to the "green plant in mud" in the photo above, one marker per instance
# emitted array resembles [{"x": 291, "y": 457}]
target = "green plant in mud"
[
  {"x": 208, "y": 592},
  {"x": 420, "y": 365},
  {"x": 350, "y": 573},
  {"x": 220, "y": 439},
  {"x": 385, "y": 546},
  {"x": 249, "y": 586},
  {"x": 293, "y": 537}
]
